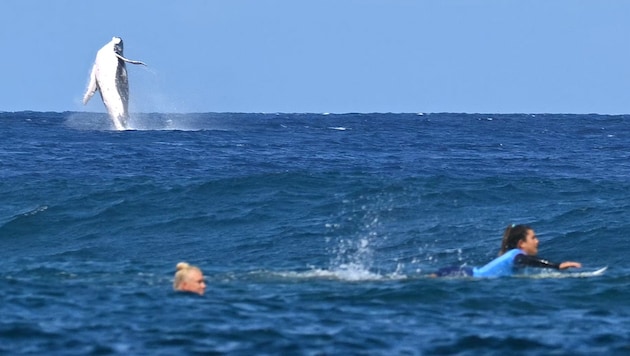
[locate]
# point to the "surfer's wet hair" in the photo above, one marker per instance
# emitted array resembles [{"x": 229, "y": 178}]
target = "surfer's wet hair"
[
  {"x": 511, "y": 237},
  {"x": 181, "y": 273}
]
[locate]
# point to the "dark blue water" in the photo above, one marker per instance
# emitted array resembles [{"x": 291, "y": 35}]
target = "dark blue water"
[{"x": 315, "y": 232}]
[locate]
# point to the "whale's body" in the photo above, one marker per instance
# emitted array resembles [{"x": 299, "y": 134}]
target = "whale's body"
[{"x": 109, "y": 77}]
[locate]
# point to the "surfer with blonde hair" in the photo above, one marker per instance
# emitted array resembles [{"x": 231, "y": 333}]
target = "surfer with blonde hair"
[{"x": 189, "y": 278}]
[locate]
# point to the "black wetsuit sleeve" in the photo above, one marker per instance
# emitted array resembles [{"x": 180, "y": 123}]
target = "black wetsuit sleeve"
[{"x": 521, "y": 261}]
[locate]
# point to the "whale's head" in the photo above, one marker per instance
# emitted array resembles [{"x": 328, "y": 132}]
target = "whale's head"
[{"x": 118, "y": 45}]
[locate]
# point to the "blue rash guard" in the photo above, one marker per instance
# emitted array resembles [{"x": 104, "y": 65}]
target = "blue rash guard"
[{"x": 502, "y": 266}]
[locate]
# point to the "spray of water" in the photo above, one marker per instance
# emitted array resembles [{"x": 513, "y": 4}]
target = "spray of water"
[{"x": 356, "y": 240}]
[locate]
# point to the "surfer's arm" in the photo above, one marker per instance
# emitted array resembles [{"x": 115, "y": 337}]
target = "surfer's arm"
[
  {"x": 569, "y": 264},
  {"x": 522, "y": 260}
]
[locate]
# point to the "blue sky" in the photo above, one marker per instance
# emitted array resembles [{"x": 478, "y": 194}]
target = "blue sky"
[{"x": 338, "y": 56}]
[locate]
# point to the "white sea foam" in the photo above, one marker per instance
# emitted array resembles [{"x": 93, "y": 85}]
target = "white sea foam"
[
  {"x": 348, "y": 273},
  {"x": 89, "y": 121},
  {"x": 145, "y": 122}
]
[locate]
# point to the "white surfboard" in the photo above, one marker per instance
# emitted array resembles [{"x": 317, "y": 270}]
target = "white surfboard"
[
  {"x": 567, "y": 274},
  {"x": 597, "y": 272}
]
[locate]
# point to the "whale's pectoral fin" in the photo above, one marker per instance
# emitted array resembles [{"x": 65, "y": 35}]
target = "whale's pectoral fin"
[
  {"x": 129, "y": 60},
  {"x": 92, "y": 87}
]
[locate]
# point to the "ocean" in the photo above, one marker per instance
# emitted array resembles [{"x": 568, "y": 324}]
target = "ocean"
[{"x": 316, "y": 233}]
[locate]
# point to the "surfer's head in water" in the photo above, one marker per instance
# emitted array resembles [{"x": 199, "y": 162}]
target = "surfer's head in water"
[
  {"x": 189, "y": 279},
  {"x": 521, "y": 237}
]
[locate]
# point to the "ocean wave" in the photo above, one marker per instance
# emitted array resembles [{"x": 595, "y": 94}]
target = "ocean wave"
[
  {"x": 15, "y": 220},
  {"x": 316, "y": 233}
]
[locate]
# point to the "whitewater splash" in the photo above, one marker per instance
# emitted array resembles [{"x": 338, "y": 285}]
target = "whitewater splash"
[
  {"x": 355, "y": 244},
  {"x": 347, "y": 273},
  {"x": 358, "y": 273},
  {"x": 355, "y": 249},
  {"x": 148, "y": 122}
]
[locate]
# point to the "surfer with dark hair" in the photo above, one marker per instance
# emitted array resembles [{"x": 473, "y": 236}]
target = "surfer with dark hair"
[{"x": 519, "y": 248}]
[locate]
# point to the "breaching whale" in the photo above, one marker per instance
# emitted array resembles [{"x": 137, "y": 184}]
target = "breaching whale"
[{"x": 109, "y": 77}]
